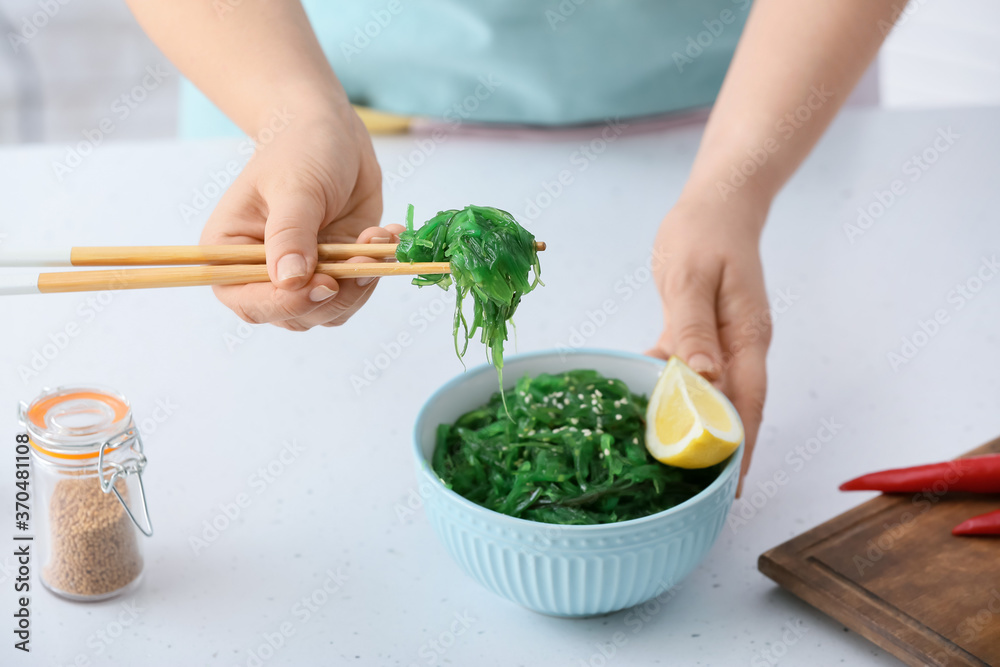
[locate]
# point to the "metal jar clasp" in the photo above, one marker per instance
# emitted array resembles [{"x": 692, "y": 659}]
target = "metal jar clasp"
[{"x": 122, "y": 469}]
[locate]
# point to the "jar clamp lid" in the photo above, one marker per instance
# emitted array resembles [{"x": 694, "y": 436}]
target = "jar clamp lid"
[{"x": 89, "y": 427}]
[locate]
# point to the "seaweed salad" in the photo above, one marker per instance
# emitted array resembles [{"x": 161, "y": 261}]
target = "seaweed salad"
[
  {"x": 491, "y": 256},
  {"x": 572, "y": 451}
]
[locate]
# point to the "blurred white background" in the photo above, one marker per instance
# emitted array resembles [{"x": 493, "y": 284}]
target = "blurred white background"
[{"x": 65, "y": 62}]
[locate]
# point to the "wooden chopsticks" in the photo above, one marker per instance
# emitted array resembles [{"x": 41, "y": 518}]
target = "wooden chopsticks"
[
  {"x": 217, "y": 265},
  {"x": 190, "y": 276},
  {"x": 235, "y": 254},
  {"x": 186, "y": 254}
]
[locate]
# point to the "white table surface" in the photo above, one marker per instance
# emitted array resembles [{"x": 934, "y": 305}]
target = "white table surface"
[{"x": 336, "y": 505}]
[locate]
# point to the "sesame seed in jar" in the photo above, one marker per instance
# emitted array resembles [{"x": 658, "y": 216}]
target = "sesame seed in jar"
[{"x": 94, "y": 549}]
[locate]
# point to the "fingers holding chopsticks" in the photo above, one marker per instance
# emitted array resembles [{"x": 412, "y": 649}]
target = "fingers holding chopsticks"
[
  {"x": 288, "y": 217},
  {"x": 262, "y": 303},
  {"x": 353, "y": 293},
  {"x": 240, "y": 218},
  {"x": 321, "y": 301},
  {"x": 290, "y": 238},
  {"x": 387, "y": 234}
]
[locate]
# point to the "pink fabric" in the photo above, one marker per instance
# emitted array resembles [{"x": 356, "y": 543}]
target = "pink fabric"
[{"x": 531, "y": 133}]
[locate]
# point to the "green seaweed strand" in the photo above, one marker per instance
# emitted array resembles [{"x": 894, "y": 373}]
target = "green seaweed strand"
[{"x": 491, "y": 257}]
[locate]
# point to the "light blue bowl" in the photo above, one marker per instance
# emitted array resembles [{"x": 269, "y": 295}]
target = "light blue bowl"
[{"x": 566, "y": 570}]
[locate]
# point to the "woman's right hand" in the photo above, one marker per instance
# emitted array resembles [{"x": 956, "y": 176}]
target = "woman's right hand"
[
  {"x": 716, "y": 314},
  {"x": 316, "y": 181}
]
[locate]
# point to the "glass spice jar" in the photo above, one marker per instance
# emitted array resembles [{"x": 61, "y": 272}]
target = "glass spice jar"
[{"x": 87, "y": 464}]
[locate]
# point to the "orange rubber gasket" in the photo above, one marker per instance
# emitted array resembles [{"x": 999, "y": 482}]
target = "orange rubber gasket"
[{"x": 37, "y": 412}]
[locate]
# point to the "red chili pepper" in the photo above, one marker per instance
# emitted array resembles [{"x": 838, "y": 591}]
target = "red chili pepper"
[
  {"x": 978, "y": 474},
  {"x": 984, "y": 524}
]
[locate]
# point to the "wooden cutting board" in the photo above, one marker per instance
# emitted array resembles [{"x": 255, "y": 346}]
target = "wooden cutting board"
[{"x": 891, "y": 571}]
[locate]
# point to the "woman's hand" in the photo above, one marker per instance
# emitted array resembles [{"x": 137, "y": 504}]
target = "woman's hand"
[
  {"x": 716, "y": 314},
  {"x": 317, "y": 181}
]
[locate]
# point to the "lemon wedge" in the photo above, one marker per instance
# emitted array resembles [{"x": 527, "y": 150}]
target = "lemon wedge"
[{"x": 690, "y": 423}]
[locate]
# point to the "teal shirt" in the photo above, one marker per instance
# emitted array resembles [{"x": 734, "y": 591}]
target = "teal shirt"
[{"x": 556, "y": 62}]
